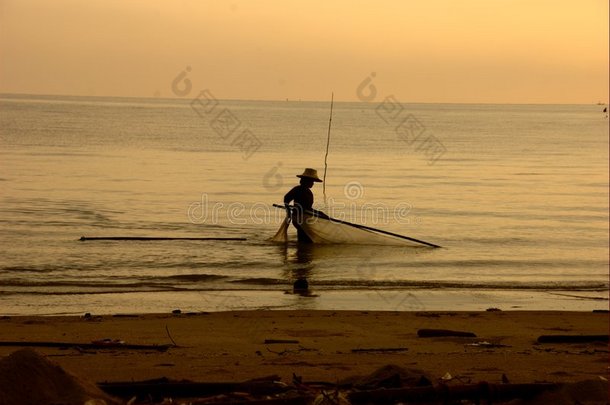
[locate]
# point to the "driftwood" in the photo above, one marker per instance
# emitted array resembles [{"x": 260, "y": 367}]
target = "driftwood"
[
  {"x": 68, "y": 345},
  {"x": 278, "y": 341},
  {"x": 293, "y": 351},
  {"x": 572, "y": 338},
  {"x": 443, "y": 333},
  {"x": 164, "y": 388},
  {"x": 148, "y": 238},
  {"x": 381, "y": 350},
  {"x": 293, "y": 395},
  {"x": 444, "y": 393},
  {"x": 298, "y": 400}
]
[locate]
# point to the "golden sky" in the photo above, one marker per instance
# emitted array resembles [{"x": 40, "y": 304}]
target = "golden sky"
[{"x": 473, "y": 51}]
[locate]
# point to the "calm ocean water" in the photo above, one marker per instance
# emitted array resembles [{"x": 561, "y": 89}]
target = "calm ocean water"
[{"x": 517, "y": 195}]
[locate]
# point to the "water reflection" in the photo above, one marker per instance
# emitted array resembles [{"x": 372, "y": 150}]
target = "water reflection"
[
  {"x": 299, "y": 266},
  {"x": 306, "y": 264}
]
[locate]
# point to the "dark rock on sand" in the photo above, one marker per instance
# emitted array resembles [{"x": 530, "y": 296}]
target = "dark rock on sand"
[{"x": 29, "y": 378}]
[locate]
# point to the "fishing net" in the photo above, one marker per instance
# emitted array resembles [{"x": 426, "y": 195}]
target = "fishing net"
[
  {"x": 282, "y": 233},
  {"x": 321, "y": 230},
  {"x": 328, "y": 230}
]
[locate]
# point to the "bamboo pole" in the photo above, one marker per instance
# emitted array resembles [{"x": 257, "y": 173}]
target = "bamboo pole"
[
  {"x": 330, "y": 120},
  {"x": 149, "y": 238}
]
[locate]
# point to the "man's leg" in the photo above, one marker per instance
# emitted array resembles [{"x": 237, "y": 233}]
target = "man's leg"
[{"x": 302, "y": 236}]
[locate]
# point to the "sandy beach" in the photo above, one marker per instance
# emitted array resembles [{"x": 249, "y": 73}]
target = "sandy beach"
[{"x": 326, "y": 345}]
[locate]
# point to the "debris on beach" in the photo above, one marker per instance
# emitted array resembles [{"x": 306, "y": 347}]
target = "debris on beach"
[
  {"x": 443, "y": 333},
  {"x": 280, "y": 341},
  {"x": 331, "y": 398},
  {"x": 381, "y": 350},
  {"x": 588, "y": 392},
  {"x": 486, "y": 345},
  {"x": 447, "y": 377},
  {"x": 106, "y": 343},
  {"x": 388, "y": 385},
  {"x": 572, "y": 338},
  {"x": 389, "y": 376},
  {"x": 29, "y": 378},
  {"x": 160, "y": 389}
]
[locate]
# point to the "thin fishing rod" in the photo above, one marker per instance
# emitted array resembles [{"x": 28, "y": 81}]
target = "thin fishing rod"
[{"x": 330, "y": 120}]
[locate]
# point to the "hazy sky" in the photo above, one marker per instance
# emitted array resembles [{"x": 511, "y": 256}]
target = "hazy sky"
[{"x": 514, "y": 51}]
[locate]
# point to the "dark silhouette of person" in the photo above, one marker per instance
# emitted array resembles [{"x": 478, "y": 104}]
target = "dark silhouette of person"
[{"x": 303, "y": 201}]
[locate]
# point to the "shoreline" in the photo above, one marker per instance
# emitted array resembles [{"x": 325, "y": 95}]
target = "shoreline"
[
  {"x": 321, "y": 345},
  {"x": 317, "y": 299}
]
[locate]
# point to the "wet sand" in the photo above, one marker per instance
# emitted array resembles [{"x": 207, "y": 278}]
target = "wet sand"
[{"x": 230, "y": 346}]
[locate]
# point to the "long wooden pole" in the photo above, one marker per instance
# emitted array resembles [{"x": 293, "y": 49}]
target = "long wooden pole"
[
  {"x": 67, "y": 345},
  {"x": 368, "y": 228},
  {"x": 330, "y": 120},
  {"x": 148, "y": 238}
]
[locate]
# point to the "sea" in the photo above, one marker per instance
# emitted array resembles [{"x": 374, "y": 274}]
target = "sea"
[{"x": 515, "y": 195}]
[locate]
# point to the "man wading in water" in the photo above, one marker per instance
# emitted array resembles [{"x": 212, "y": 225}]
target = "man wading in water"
[{"x": 303, "y": 201}]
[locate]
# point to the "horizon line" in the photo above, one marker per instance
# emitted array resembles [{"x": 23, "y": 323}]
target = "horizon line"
[{"x": 601, "y": 103}]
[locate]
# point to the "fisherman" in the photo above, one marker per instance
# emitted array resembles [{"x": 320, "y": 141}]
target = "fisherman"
[{"x": 303, "y": 201}]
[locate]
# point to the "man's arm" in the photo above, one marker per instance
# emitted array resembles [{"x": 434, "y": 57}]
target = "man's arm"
[{"x": 289, "y": 196}]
